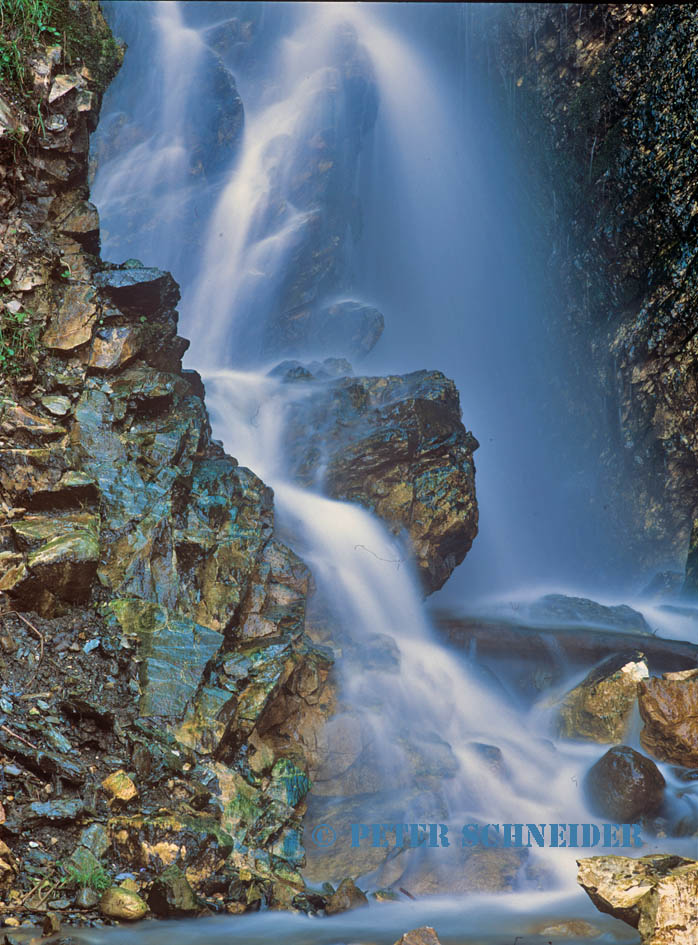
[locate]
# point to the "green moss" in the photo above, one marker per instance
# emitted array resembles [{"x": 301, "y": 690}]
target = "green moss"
[{"x": 87, "y": 39}]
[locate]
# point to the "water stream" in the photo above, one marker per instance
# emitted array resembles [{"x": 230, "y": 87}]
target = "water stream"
[{"x": 439, "y": 250}]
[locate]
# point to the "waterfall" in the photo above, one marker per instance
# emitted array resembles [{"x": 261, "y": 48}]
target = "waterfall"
[{"x": 233, "y": 234}]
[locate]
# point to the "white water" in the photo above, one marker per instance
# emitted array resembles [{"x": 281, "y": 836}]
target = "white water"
[{"x": 245, "y": 245}]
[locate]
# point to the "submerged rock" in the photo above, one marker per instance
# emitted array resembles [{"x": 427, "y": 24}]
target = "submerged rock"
[
  {"x": 395, "y": 445},
  {"x": 345, "y": 329},
  {"x": 600, "y": 707},
  {"x": 561, "y": 609},
  {"x": 654, "y": 894},
  {"x": 669, "y": 709},
  {"x": 624, "y": 785}
]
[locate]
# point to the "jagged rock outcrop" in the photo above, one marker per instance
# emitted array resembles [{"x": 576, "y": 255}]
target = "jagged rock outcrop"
[
  {"x": 654, "y": 894},
  {"x": 165, "y": 738},
  {"x": 606, "y": 87},
  {"x": 397, "y": 446}
]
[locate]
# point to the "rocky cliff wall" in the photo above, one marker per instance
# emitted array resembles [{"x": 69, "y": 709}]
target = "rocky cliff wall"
[
  {"x": 602, "y": 94},
  {"x": 146, "y": 599}
]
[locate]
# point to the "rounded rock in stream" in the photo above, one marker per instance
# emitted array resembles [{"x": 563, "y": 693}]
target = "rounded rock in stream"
[
  {"x": 119, "y": 903},
  {"x": 624, "y": 785}
]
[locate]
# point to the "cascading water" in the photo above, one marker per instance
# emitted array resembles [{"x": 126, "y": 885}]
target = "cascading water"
[{"x": 233, "y": 228}]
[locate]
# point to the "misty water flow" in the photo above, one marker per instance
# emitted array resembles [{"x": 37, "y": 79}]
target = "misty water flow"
[{"x": 441, "y": 248}]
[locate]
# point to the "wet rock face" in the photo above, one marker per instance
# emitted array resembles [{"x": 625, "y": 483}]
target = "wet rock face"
[
  {"x": 344, "y": 329},
  {"x": 600, "y": 707},
  {"x": 624, "y": 785},
  {"x": 654, "y": 894},
  {"x": 607, "y": 92},
  {"x": 669, "y": 709},
  {"x": 397, "y": 446}
]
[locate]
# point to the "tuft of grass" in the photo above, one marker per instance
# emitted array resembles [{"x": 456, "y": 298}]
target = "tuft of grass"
[
  {"x": 23, "y": 23},
  {"x": 19, "y": 339},
  {"x": 93, "y": 877}
]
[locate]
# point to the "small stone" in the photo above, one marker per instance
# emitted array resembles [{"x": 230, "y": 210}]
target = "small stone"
[
  {"x": 56, "y": 404},
  {"x": 56, "y": 123},
  {"x": 86, "y": 898},
  {"x": 118, "y": 903},
  {"x": 120, "y": 786},
  {"x": 348, "y": 896},
  {"x": 63, "y": 84},
  {"x": 51, "y": 924}
]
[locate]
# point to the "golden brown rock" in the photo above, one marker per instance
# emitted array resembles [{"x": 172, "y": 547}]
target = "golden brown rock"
[
  {"x": 422, "y": 936},
  {"x": 72, "y": 325},
  {"x": 600, "y": 707},
  {"x": 669, "y": 709},
  {"x": 120, "y": 786},
  {"x": 655, "y": 894},
  {"x": 118, "y": 903}
]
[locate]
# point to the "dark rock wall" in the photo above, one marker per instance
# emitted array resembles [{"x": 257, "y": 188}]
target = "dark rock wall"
[{"x": 603, "y": 96}]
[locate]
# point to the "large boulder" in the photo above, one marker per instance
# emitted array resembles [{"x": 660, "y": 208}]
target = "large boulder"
[
  {"x": 624, "y": 785},
  {"x": 669, "y": 709},
  {"x": 397, "y": 446},
  {"x": 655, "y": 894},
  {"x": 600, "y": 707}
]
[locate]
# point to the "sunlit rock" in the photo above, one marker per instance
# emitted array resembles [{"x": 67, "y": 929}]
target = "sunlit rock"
[
  {"x": 120, "y": 787},
  {"x": 624, "y": 785},
  {"x": 73, "y": 323},
  {"x": 669, "y": 709},
  {"x": 113, "y": 348},
  {"x": 600, "y": 707},
  {"x": 655, "y": 894}
]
